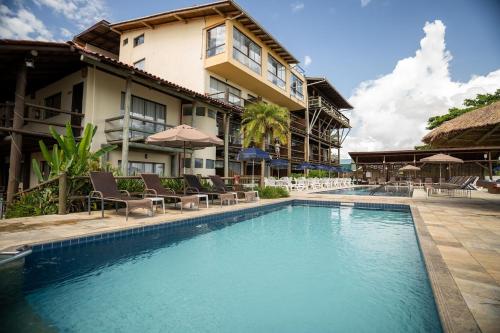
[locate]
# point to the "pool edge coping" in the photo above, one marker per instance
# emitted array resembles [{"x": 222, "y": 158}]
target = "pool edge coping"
[{"x": 453, "y": 311}]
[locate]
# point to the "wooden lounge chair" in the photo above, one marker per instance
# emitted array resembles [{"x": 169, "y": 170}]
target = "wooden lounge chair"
[
  {"x": 153, "y": 187},
  {"x": 461, "y": 187},
  {"x": 220, "y": 186},
  {"x": 106, "y": 189}
]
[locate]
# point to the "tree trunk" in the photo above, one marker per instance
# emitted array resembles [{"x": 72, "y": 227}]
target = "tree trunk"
[{"x": 263, "y": 164}]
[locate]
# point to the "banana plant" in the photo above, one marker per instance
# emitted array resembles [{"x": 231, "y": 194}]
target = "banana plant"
[{"x": 68, "y": 155}]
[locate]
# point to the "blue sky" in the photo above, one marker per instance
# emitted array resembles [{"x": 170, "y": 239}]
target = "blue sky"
[{"x": 397, "y": 61}]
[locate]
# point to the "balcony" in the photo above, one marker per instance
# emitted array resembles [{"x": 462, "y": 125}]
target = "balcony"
[
  {"x": 319, "y": 102},
  {"x": 140, "y": 128},
  {"x": 38, "y": 119}
]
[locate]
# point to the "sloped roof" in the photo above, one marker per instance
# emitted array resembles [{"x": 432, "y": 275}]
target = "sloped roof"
[
  {"x": 477, "y": 127},
  {"x": 329, "y": 91},
  {"x": 100, "y": 35},
  {"x": 226, "y": 8}
]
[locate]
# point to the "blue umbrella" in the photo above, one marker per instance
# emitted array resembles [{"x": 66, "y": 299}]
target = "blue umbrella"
[
  {"x": 279, "y": 164},
  {"x": 304, "y": 166},
  {"x": 253, "y": 154}
]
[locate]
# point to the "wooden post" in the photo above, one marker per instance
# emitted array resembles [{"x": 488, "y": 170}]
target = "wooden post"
[
  {"x": 63, "y": 193},
  {"x": 16, "y": 143},
  {"x": 490, "y": 166},
  {"x": 289, "y": 150},
  {"x": 126, "y": 126},
  {"x": 226, "y": 121}
]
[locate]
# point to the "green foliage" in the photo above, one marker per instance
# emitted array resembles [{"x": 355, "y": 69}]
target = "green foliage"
[
  {"x": 68, "y": 155},
  {"x": 423, "y": 147},
  {"x": 175, "y": 184},
  {"x": 318, "y": 174},
  {"x": 271, "y": 192},
  {"x": 480, "y": 101},
  {"x": 262, "y": 120},
  {"x": 131, "y": 185},
  {"x": 35, "y": 203}
]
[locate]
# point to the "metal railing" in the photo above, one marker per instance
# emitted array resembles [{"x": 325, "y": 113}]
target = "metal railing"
[{"x": 140, "y": 128}]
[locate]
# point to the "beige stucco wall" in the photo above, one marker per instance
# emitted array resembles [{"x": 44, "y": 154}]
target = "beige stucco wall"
[
  {"x": 172, "y": 51},
  {"x": 143, "y": 156}
]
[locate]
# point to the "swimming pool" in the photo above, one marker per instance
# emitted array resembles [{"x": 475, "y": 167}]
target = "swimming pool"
[
  {"x": 291, "y": 268},
  {"x": 390, "y": 191}
]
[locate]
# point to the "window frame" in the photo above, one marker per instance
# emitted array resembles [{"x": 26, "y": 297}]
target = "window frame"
[
  {"x": 139, "y": 40},
  {"x": 54, "y": 98},
  {"x": 293, "y": 90},
  {"x": 233, "y": 97},
  {"x": 247, "y": 53},
  {"x": 154, "y": 166},
  {"x": 198, "y": 163},
  {"x": 274, "y": 74},
  {"x": 143, "y": 62},
  {"x": 125, "y": 41},
  {"x": 159, "y": 124},
  {"x": 207, "y": 162},
  {"x": 218, "y": 48}
]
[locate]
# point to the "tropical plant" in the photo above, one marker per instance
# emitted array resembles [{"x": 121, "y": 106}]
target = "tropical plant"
[
  {"x": 271, "y": 192},
  {"x": 42, "y": 201},
  {"x": 262, "y": 120},
  {"x": 69, "y": 156},
  {"x": 480, "y": 101}
]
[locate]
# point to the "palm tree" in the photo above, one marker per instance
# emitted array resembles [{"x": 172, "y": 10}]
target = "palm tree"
[{"x": 261, "y": 121}]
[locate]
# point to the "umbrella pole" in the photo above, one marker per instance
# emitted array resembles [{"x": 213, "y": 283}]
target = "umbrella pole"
[
  {"x": 439, "y": 173},
  {"x": 253, "y": 169},
  {"x": 184, "y": 164}
]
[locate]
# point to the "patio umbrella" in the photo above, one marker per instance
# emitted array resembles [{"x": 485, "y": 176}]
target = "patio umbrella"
[
  {"x": 409, "y": 168},
  {"x": 184, "y": 136},
  {"x": 253, "y": 154},
  {"x": 279, "y": 164},
  {"x": 305, "y": 165},
  {"x": 441, "y": 159}
]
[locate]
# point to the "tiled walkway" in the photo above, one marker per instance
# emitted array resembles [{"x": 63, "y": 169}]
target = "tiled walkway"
[{"x": 466, "y": 233}]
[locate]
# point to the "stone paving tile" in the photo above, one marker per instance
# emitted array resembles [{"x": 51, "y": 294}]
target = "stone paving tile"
[{"x": 485, "y": 311}]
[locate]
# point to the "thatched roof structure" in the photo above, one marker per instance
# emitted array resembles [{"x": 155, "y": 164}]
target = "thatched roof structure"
[{"x": 480, "y": 127}]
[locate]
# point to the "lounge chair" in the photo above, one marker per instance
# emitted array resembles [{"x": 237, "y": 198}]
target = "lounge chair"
[
  {"x": 220, "y": 187},
  {"x": 106, "y": 189},
  {"x": 462, "y": 186},
  {"x": 193, "y": 186},
  {"x": 153, "y": 187}
]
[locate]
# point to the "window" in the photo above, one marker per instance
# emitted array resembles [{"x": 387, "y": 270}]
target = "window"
[
  {"x": 140, "y": 64},
  {"x": 246, "y": 51},
  {"x": 53, "y": 101},
  {"x": 216, "y": 39},
  {"x": 211, "y": 113},
  {"x": 187, "y": 162},
  {"x": 209, "y": 164},
  {"x": 219, "y": 164},
  {"x": 198, "y": 163},
  {"x": 135, "y": 167},
  {"x": 276, "y": 72},
  {"x": 200, "y": 111},
  {"x": 139, "y": 40},
  {"x": 125, "y": 41},
  {"x": 218, "y": 90},
  {"x": 148, "y": 117},
  {"x": 187, "y": 110},
  {"x": 296, "y": 87}
]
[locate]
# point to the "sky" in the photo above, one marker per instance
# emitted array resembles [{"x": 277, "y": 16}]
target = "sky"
[{"x": 398, "y": 62}]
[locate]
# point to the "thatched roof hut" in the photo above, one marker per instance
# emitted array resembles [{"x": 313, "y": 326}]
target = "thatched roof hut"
[{"x": 480, "y": 127}]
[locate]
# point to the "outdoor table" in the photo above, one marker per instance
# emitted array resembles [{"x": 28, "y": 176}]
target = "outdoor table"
[
  {"x": 201, "y": 196},
  {"x": 156, "y": 202}
]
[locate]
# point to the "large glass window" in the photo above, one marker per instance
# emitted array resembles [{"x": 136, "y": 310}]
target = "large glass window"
[
  {"x": 198, "y": 163},
  {"x": 216, "y": 40},
  {"x": 297, "y": 87},
  {"x": 135, "y": 167},
  {"x": 276, "y": 72},
  {"x": 218, "y": 90},
  {"x": 209, "y": 164},
  {"x": 246, "y": 51},
  {"x": 148, "y": 117}
]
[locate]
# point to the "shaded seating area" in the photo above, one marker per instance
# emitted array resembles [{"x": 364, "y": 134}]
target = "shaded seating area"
[
  {"x": 153, "y": 187},
  {"x": 106, "y": 190}
]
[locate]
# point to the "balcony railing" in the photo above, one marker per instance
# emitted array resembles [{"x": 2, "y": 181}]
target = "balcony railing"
[
  {"x": 319, "y": 102},
  {"x": 277, "y": 81},
  {"x": 38, "y": 118},
  {"x": 140, "y": 128}
]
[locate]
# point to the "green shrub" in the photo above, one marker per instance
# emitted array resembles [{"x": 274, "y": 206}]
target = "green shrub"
[
  {"x": 317, "y": 174},
  {"x": 35, "y": 203},
  {"x": 271, "y": 192},
  {"x": 175, "y": 184},
  {"x": 131, "y": 185}
]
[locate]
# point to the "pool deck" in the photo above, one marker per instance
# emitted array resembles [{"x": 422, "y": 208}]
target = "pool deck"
[{"x": 459, "y": 238}]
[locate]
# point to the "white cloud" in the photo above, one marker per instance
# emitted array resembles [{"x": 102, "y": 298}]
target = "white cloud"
[
  {"x": 297, "y": 6},
  {"x": 391, "y": 111},
  {"x": 365, "y": 3},
  {"x": 22, "y": 24},
  {"x": 81, "y": 12},
  {"x": 307, "y": 60},
  {"x": 65, "y": 33}
]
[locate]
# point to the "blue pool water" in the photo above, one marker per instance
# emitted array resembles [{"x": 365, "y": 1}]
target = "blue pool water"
[
  {"x": 389, "y": 191},
  {"x": 295, "y": 269}
]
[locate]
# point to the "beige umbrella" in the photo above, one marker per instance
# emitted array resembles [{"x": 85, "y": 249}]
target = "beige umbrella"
[
  {"x": 184, "y": 136},
  {"x": 409, "y": 168},
  {"x": 441, "y": 159}
]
